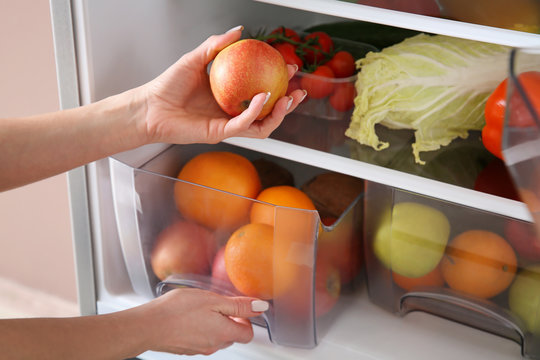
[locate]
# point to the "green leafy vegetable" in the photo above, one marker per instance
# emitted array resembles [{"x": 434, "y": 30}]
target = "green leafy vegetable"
[{"x": 435, "y": 85}]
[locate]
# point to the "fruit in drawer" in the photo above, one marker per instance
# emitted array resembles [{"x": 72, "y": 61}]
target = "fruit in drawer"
[
  {"x": 318, "y": 84},
  {"x": 411, "y": 239},
  {"x": 284, "y": 195},
  {"x": 321, "y": 45},
  {"x": 219, "y": 272},
  {"x": 342, "y": 247},
  {"x": 272, "y": 174},
  {"x": 433, "y": 278},
  {"x": 325, "y": 287},
  {"x": 226, "y": 171},
  {"x": 332, "y": 192},
  {"x": 523, "y": 238},
  {"x": 250, "y": 263},
  {"x": 342, "y": 99},
  {"x": 342, "y": 64},
  {"x": 183, "y": 248},
  {"x": 479, "y": 263},
  {"x": 244, "y": 69},
  {"x": 524, "y": 297}
]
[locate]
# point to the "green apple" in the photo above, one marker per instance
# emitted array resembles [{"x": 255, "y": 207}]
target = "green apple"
[
  {"x": 411, "y": 239},
  {"x": 524, "y": 297}
]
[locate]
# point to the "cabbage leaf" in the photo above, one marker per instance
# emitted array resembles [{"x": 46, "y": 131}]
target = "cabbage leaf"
[{"x": 436, "y": 85}]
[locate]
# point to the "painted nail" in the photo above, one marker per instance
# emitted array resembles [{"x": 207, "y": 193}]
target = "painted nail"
[
  {"x": 236, "y": 28},
  {"x": 259, "y": 305},
  {"x": 295, "y": 67},
  {"x": 267, "y": 97},
  {"x": 305, "y": 94},
  {"x": 289, "y": 103}
]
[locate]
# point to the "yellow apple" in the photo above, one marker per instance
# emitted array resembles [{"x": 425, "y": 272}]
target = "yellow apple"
[{"x": 411, "y": 239}]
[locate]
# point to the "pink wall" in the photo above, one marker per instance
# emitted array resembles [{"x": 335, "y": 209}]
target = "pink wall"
[{"x": 35, "y": 231}]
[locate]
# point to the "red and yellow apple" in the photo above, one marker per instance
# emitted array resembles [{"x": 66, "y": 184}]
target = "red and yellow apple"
[
  {"x": 244, "y": 69},
  {"x": 523, "y": 238},
  {"x": 183, "y": 248},
  {"x": 219, "y": 271}
]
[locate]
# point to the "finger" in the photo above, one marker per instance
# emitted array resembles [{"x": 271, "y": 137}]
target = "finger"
[
  {"x": 292, "y": 69},
  {"x": 283, "y": 106},
  {"x": 298, "y": 96},
  {"x": 208, "y": 50},
  {"x": 240, "y": 332},
  {"x": 247, "y": 117},
  {"x": 242, "y": 307}
]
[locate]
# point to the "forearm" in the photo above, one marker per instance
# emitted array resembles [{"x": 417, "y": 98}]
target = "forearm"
[
  {"x": 36, "y": 147},
  {"x": 114, "y": 336}
]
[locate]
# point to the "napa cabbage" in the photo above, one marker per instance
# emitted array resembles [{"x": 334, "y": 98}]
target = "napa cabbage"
[{"x": 434, "y": 84}]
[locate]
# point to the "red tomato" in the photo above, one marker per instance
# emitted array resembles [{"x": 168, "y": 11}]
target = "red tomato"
[
  {"x": 288, "y": 52},
  {"x": 290, "y": 33},
  {"x": 342, "y": 64},
  {"x": 343, "y": 97},
  {"x": 323, "y": 46},
  {"x": 496, "y": 106},
  {"x": 321, "y": 84}
]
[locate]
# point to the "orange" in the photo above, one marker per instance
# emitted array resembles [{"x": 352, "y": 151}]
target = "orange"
[
  {"x": 283, "y": 206},
  {"x": 231, "y": 173},
  {"x": 433, "y": 278},
  {"x": 249, "y": 262},
  {"x": 283, "y": 195},
  {"x": 480, "y": 263}
]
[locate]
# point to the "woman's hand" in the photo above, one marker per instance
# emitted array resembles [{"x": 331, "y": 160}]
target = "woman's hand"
[
  {"x": 193, "y": 321},
  {"x": 180, "y": 107}
]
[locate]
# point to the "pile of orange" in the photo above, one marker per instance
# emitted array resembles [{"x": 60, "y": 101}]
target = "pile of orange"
[{"x": 217, "y": 190}]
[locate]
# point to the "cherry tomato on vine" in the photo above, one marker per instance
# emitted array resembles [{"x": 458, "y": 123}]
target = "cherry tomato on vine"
[
  {"x": 342, "y": 99},
  {"x": 287, "y": 32},
  {"x": 289, "y": 55},
  {"x": 323, "y": 46},
  {"x": 342, "y": 64},
  {"x": 495, "y": 108},
  {"x": 319, "y": 83}
]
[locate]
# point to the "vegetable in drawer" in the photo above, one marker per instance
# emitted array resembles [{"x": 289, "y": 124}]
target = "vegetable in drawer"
[{"x": 436, "y": 85}]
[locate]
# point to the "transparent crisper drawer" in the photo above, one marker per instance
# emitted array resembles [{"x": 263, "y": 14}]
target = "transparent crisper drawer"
[
  {"x": 466, "y": 265},
  {"x": 176, "y": 233},
  {"x": 521, "y": 139}
]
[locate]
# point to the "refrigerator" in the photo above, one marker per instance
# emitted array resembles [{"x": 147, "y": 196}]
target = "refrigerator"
[{"x": 120, "y": 204}]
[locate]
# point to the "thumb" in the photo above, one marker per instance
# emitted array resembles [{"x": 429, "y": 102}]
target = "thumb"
[
  {"x": 207, "y": 51},
  {"x": 242, "y": 307}
]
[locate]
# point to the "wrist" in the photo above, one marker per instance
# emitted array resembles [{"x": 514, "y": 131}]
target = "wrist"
[{"x": 128, "y": 109}]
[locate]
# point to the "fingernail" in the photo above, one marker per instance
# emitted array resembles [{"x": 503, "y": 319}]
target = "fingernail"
[
  {"x": 305, "y": 94},
  {"x": 295, "y": 67},
  {"x": 267, "y": 97},
  {"x": 236, "y": 28},
  {"x": 259, "y": 305},
  {"x": 289, "y": 103}
]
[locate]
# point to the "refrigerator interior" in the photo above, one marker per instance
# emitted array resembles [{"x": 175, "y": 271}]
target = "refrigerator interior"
[{"x": 122, "y": 44}]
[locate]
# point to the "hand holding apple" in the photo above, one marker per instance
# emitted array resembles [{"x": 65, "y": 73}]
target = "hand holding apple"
[{"x": 244, "y": 69}]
